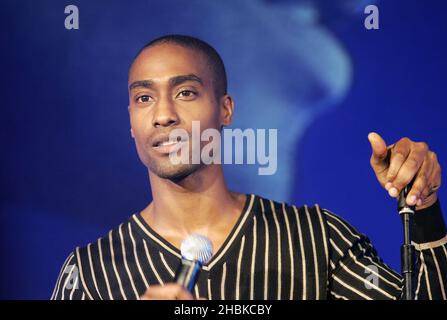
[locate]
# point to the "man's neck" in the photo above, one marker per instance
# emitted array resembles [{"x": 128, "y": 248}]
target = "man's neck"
[{"x": 199, "y": 203}]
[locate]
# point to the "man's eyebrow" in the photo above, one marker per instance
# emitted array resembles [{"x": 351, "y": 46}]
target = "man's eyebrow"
[
  {"x": 141, "y": 83},
  {"x": 173, "y": 81}
]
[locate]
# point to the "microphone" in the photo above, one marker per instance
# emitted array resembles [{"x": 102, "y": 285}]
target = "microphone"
[
  {"x": 196, "y": 251},
  {"x": 407, "y": 250}
]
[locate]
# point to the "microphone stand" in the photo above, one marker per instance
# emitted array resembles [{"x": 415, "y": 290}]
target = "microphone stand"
[{"x": 407, "y": 249}]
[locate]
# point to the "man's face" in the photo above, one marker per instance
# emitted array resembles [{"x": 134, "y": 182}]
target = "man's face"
[{"x": 169, "y": 87}]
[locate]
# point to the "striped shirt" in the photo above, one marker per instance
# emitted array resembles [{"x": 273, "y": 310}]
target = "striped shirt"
[{"x": 274, "y": 251}]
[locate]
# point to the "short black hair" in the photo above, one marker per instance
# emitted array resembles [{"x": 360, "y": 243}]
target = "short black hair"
[{"x": 213, "y": 57}]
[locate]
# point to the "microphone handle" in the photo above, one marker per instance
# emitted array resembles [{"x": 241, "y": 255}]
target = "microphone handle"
[
  {"x": 407, "y": 249},
  {"x": 188, "y": 273}
]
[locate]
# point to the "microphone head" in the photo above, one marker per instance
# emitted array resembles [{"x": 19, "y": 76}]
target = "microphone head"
[{"x": 197, "y": 248}]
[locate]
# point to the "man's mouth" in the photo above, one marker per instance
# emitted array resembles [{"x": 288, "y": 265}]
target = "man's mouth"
[{"x": 166, "y": 145}]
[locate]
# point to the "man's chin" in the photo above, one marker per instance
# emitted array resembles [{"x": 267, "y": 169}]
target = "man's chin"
[{"x": 174, "y": 173}]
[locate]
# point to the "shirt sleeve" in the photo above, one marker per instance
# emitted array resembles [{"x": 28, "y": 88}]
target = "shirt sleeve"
[
  {"x": 357, "y": 272},
  {"x": 68, "y": 285},
  {"x": 430, "y": 240}
]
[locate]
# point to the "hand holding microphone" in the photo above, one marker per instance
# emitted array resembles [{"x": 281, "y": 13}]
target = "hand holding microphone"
[{"x": 196, "y": 251}]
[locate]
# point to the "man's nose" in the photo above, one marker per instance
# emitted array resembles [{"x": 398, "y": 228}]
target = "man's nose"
[{"x": 165, "y": 114}]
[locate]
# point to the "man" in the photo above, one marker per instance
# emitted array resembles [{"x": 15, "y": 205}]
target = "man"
[{"x": 262, "y": 249}]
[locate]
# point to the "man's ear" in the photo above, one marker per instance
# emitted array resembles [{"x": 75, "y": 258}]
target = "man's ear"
[
  {"x": 131, "y": 130},
  {"x": 227, "y": 109}
]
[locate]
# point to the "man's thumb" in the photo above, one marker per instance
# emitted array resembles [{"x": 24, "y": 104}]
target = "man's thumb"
[{"x": 378, "y": 146}]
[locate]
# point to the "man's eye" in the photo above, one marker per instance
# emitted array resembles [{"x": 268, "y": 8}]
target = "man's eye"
[
  {"x": 187, "y": 94},
  {"x": 143, "y": 98}
]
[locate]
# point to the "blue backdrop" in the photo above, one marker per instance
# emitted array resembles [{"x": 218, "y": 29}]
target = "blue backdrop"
[{"x": 69, "y": 169}]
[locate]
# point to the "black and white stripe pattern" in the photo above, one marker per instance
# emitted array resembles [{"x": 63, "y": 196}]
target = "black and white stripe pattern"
[{"x": 275, "y": 251}]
